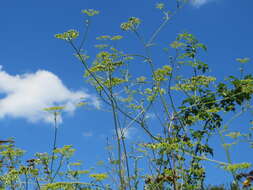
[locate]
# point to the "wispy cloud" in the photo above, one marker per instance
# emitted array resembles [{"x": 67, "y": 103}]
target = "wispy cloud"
[
  {"x": 150, "y": 116},
  {"x": 87, "y": 134},
  {"x": 127, "y": 133},
  {"x": 25, "y": 96},
  {"x": 199, "y": 3}
]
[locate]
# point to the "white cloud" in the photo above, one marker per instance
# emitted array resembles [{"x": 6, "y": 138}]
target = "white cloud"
[
  {"x": 87, "y": 134},
  {"x": 25, "y": 96},
  {"x": 199, "y": 3}
]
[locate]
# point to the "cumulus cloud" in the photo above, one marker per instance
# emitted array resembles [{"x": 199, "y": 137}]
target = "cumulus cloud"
[
  {"x": 25, "y": 96},
  {"x": 199, "y": 3}
]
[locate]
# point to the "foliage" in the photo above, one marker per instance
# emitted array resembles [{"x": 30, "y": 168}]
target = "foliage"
[
  {"x": 36, "y": 173},
  {"x": 190, "y": 109}
]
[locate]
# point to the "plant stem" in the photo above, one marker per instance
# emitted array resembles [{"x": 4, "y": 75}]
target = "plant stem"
[{"x": 54, "y": 146}]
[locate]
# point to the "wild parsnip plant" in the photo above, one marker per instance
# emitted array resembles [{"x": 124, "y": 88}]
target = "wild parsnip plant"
[
  {"x": 188, "y": 110},
  {"x": 45, "y": 171},
  {"x": 49, "y": 171}
]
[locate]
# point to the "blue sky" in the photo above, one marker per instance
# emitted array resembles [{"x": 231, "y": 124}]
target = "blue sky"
[{"x": 38, "y": 70}]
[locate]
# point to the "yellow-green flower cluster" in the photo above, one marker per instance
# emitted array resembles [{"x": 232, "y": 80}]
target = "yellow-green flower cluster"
[
  {"x": 66, "y": 151},
  {"x": 160, "y": 74},
  {"x": 106, "y": 37},
  {"x": 90, "y": 12},
  {"x": 131, "y": 24},
  {"x": 193, "y": 83},
  {"x": 235, "y": 167},
  {"x": 160, "y": 6},
  {"x": 243, "y": 60},
  {"x": 99, "y": 177},
  {"x": 68, "y": 36}
]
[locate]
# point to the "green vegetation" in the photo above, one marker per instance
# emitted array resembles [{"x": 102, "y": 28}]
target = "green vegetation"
[{"x": 189, "y": 110}]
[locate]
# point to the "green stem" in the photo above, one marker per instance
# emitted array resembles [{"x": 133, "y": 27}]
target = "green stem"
[{"x": 54, "y": 145}]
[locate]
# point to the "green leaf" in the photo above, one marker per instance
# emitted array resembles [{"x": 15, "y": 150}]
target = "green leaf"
[
  {"x": 202, "y": 46},
  {"x": 176, "y": 44}
]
